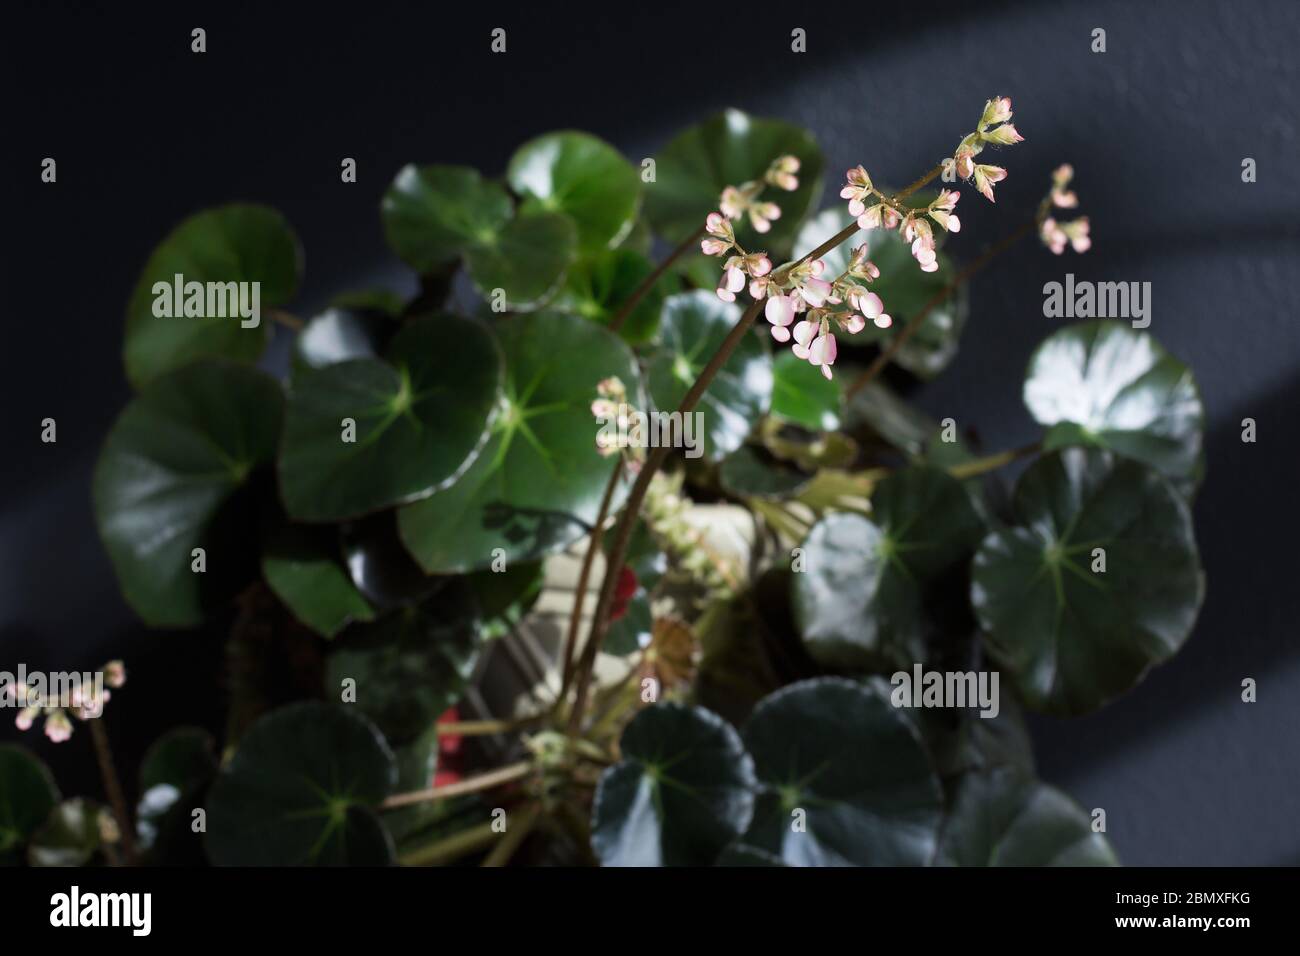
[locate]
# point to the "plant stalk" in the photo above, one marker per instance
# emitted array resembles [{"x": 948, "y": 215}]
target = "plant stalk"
[
  {"x": 113, "y": 787},
  {"x": 648, "y": 282},
  {"x": 483, "y": 781}
]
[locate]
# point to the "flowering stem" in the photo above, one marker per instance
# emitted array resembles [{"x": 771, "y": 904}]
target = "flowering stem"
[
  {"x": 627, "y": 520},
  {"x": 980, "y": 466},
  {"x": 113, "y": 787},
  {"x": 484, "y": 781},
  {"x": 648, "y": 282},
  {"x": 584, "y": 575},
  {"x": 914, "y": 323}
]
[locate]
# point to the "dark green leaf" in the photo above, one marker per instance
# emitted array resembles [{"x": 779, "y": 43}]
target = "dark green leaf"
[
  {"x": 504, "y": 597},
  {"x": 694, "y": 326},
  {"x": 598, "y": 285},
  {"x": 1003, "y": 818},
  {"x": 729, "y": 149},
  {"x": 433, "y": 214},
  {"x": 751, "y": 471},
  {"x": 682, "y": 792},
  {"x": 235, "y": 243},
  {"x": 859, "y": 601},
  {"x": 174, "y": 777},
  {"x": 419, "y": 420},
  {"x": 300, "y": 791},
  {"x": 412, "y": 663},
  {"x": 27, "y": 797},
  {"x": 1105, "y": 384},
  {"x": 70, "y": 837},
  {"x": 165, "y": 484},
  {"x": 801, "y": 394},
  {"x": 537, "y": 485},
  {"x": 897, "y": 422},
  {"x": 526, "y": 261},
  {"x": 303, "y": 566},
  {"x": 582, "y": 176},
  {"x": 845, "y": 778},
  {"x": 1075, "y": 638}
]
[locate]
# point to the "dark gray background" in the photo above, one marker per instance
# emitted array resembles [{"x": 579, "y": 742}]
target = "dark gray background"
[{"x": 145, "y": 133}]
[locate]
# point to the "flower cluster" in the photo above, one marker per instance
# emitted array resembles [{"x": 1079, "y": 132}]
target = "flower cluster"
[
  {"x": 84, "y": 702},
  {"x": 995, "y": 128},
  {"x": 818, "y": 300},
  {"x": 612, "y": 407},
  {"x": 737, "y": 202},
  {"x": 1056, "y": 235}
]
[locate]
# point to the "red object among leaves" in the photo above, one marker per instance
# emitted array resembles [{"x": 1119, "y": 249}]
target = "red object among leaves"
[
  {"x": 449, "y": 770},
  {"x": 623, "y": 593}
]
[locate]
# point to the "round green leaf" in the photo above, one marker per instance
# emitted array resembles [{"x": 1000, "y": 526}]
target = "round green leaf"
[
  {"x": 845, "y": 778},
  {"x": 27, "y": 797},
  {"x": 903, "y": 288},
  {"x": 70, "y": 837},
  {"x": 300, "y": 791},
  {"x": 1003, "y": 818},
  {"x": 694, "y": 326},
  {"x": 303, "y": 566},
  {"x": 237, "y": 243},
  {"x": 1103, "y": 383},
  {"x": 801, "y": 394},
  {"x": 537, "y": 485},
  {"x": 526, "y": 260},
  {"x": 174, "y": 776},
  {"x": 682, "y": 792},
  {"x": 420, "y": 418},
  {"x": 598, "y": 285},
  {"x": 751, "y": 471},
  {"x": 379, "y": 564},
  {"x": 412, "y": 663},
  {"x": 582, "y": 176},
  {"x": 859, "y": 602},
  {"x": 165, "y": 484},
  {"x": 433, "y": 214},
  {"x": 729, "y": 149},
  {"x": 1075, "y": 638}
]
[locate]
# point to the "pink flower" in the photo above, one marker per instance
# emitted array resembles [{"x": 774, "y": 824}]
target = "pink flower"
[
  {"x": 114, "y": 674},
  {"x": 762, "y": 214},
  {"x": 25, "y": 717},
  {"x": 732, "y": 203},
  {"x": 1057, "y": 235},
  {"x": 803, "y": 337},
  {"x": 723, "y": 237},
  {"x": 853, "y": 324},
  {"x": 57, "y": 726},
  {"x": 780, "y": 312},
  {"x": 1062, "y": 197},
  {"x": 857, "y": 190},
  {"x": 947, "y": 201},
  {"x": 781, "y": 173},
  {"x": 883, "y": 321},
  {"x": 822, "y": 352},
  {"x": 868, "y": 303},
  {"x": 733, "y": 280},
  {"x": 1004, "y": 135},
  {"x": 1080, "y": 240},
  {"x": 965, "y": 160},
  {"x": 985, "y": 177},
  {"x": 996, "y": 110}
]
